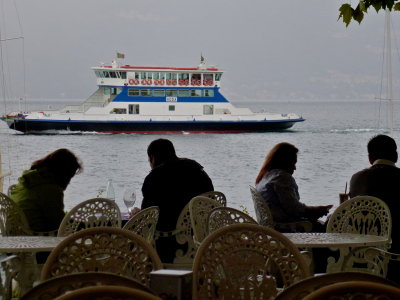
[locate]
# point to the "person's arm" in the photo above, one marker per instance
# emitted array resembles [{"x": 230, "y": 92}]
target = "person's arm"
[
  {"x": 148, "y": 191},
  {"x": 286, "y": 190},
  {"x": 52, "y": 206}
]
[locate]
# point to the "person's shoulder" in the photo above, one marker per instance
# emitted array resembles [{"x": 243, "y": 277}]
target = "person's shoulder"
[
  {"x": 278, "y": 176},
  {"x": 189, "y": 163}
]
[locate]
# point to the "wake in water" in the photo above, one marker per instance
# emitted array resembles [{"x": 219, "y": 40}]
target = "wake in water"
[{"x": 361, "y": 130}]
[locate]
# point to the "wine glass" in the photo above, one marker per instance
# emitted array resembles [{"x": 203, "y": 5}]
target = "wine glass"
[{"x": 129, "y": 198}]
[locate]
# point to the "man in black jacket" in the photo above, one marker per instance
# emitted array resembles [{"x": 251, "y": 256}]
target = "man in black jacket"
[
  {"x": 382, "y": 180},
  {"x": 170, "y": 185}
]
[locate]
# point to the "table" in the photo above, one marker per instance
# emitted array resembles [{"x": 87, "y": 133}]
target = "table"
[
  {"x": 25, "y": 247},
  {"x": 334, "y": 239},
  {"x": 345, "y": 242}
]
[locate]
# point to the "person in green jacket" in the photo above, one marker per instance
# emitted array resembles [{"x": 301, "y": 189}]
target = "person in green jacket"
[{"x": 40, "y": 190}]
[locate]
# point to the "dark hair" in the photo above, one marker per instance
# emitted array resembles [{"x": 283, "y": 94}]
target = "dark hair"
[
  {"x": 162, "y": 150},
  {"x": 281, "y": 156},
  {"x": 62, "y": 163},
  {"x": 382, "y": 147}
]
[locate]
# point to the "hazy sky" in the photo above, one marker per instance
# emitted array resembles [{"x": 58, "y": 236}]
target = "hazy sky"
[{"x": 269, "y": 50}]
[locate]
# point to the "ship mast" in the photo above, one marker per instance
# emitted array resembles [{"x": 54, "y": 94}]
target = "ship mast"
[{"x": 389, "y": 88}]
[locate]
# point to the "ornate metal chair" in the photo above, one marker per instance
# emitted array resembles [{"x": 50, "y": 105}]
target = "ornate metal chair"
[
  {"x": 103, "y": 249},
  {"x": 264, "y": 216},
  {"x": 246, "y": 261},
  {"x": 302, "y": 288},
  {"x": 91, "y": 213},
  {"x": 215, "y": 195},
  {"x": 109, "y": 293},
  {"x": 12, "y": 219},
  {"x": 223, "y": 216},
  {"x": 57, "y": 286},
  {"x": 355, "y": 290},
  {"x": 144, "y": 223},
  {"x": 183, "y": 234},
  {"x": 377, "y": 259},
  {"x": 361, "y": 215},
  {"x": 199, "y": 208},
  {"x": 10, "y": 189}
]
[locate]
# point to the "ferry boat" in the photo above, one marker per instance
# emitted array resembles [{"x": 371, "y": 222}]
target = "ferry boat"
[{"x": 138, "y": 99}]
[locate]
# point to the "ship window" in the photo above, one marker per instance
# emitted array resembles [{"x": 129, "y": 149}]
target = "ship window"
[
  {"x": 149, "y": 75},
  {"x": 123, "y": 75},
  {"x": 115, "y": 91},
  {"x": 167, "y": 75},
  {"x": 106, "y": 91},
  {"x": 133, "y": 109},
  {"x": 208, "y": 109},
  {"x": 183, "y": 76},
  {"x": 156, "y": 75},
  {"x": 106, "y": 74},
  {"x": 208, "y": 93},
  {"x": 113, "y": 75},
  {"x": 173, "y": 76},
  {"x": 196, "y": 77},
  {"x": 145, "y": 92},
  {"x": 171, "y": 93},
  {"x": 184, "y": 93},
  {"x": 133, "y": 92},
  {"x": 143, "y": 75},
  {"x": 218, "y": 77},
  {"x": 195, "y": 93},
  {"x": 118, "y": 111},
  {"x": 137, "y": 75},
  {"x": 171, "y": 107},
  {"x": 162, "y": 75},
  {"x": 208, "y": 76},
  {"x": 159, "y": 93},
  {"x": 98, "y": 74}
]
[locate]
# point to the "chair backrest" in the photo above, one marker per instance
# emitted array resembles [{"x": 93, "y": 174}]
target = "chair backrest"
[
  {"x": 10, "y": 189},
  {"x": 12, "y": 219},
  {"x": 263, "y": 213},
  {"x": 109, "y": 293},
  {"x": 302, "y": 288},
  {"x": 216, "y": 195},
  {"x": 240, "y": 260},
  {"x": 355, "y": 290},
  {"x": 183, "y": 234},
  {"x": 91, "y": 213},
  {"x": 103, "y": 249},
  {"x": 224, "y": 216},
  {"x": 199, "y": 208},
  {"x": 361, "y": 215},
  {"x": 57, "y": 286},
  {"x": 144, "y": 223}
]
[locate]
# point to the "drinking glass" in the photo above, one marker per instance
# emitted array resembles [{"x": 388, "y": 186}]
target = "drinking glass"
[{"x": 129, "y": 198}]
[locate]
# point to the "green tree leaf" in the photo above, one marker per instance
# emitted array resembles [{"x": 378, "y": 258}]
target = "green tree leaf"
[
  {"x": 346, "y": 13},
  {"x": 397, "y": 6},
  {"x": 358, "y": 15},
  {"x": 377, "y": 6}
]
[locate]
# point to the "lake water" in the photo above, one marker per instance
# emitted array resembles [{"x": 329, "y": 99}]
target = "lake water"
[{"x": 332, "y": 143}]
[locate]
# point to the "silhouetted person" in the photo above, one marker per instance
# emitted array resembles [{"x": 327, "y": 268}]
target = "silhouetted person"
[
  {"x": 279, "y": 189},
  {"x": 382, "y": 180},
  {"x": 170, "y": 185},
  {"x": 40, "y": 190}
]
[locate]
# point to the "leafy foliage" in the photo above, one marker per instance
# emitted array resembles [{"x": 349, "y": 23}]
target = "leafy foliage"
[{"x": 347, "y": 12}]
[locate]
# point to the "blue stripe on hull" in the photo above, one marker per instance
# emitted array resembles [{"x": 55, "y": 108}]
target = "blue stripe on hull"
[
  {"x": 34, "y": 126},
  {"x": 123, "y": 96}
]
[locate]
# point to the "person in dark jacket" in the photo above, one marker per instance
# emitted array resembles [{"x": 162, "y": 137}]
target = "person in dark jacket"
[
  {"x": 382, "y": 180},
  {"x": 170, "y": 185},
  {"x": 40, "y": 190}
]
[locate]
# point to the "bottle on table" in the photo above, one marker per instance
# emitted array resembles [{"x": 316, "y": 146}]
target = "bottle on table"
[{"x": 110, "y": 194}]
